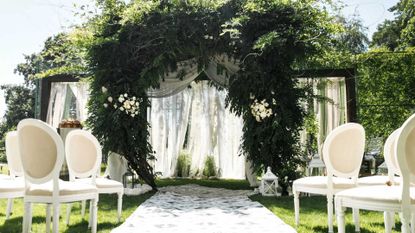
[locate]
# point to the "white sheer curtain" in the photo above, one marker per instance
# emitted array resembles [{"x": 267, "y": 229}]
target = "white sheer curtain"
[
  {"x": 214, "y": 131},
  {"x": 330, "y": 114},
  {"x": 67, "y": 97},
  {"x": 56, "y": 105},
  {"x": 81, "y": 92}
]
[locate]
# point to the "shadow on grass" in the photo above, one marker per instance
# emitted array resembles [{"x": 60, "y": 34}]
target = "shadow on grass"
[{"x": 15, "y": 224}]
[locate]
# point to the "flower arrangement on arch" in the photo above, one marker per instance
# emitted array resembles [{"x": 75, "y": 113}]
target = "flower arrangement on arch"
[
  {"x": 124, "y": 103},
  {"x": 260, "y": 110}
]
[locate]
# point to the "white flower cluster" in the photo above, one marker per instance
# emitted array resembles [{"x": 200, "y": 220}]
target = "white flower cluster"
[
  {"x": 129, "y": 105},
  {"x": 260, "y": 110}
]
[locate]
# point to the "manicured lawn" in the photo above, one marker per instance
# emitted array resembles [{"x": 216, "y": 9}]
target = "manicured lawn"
[{"x": 313, "y": 211}]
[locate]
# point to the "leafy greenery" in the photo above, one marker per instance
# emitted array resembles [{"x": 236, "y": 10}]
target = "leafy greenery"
[
  {"x": 399, "y": 33},
  {"x": 183, "y": 164},
  {"x": 210, "y": 168},
  {"x": 60, "y": 55},
  {"x": 20, "y": 101},
  {"x": 134, "y": 45},
  {"x": 386, "y": 98}
]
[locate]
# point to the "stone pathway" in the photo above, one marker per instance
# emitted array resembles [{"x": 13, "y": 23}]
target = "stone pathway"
[{"x": 193, "y": 208}]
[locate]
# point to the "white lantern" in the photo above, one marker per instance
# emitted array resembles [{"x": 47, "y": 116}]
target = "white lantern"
[{"x": 269, "y": 184}]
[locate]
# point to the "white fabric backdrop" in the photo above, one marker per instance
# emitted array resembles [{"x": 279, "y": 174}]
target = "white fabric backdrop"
[
  {"x": 213, "y": 130},
  {"x": 61, "y": 96}
]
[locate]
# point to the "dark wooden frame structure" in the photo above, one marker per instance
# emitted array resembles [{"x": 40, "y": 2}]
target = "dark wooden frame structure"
[
  {"x": 348, "y": 74},
  {"x": 350, "y": 82},
  {"x": 45, "y": 87}
]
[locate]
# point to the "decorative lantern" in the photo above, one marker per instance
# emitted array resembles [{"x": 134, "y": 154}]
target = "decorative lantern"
[
  {"x": 269, "y": 184},
  {"x": 316, "y": 163}
]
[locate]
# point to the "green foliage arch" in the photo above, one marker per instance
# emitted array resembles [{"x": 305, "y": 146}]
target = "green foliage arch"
[{"x": 136, "y": 44}]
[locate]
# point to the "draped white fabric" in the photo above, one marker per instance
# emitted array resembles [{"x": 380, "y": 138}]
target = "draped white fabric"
[
  {"x": 56, "y": 104},
  {"x": 330, "y": 114},
  {"x": 213, "y": 131},
  {"x": 218, "y": 70},
  {"x": 67, "y": 100}
]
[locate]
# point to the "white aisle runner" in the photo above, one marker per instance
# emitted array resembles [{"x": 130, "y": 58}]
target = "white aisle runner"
[{"x": 193, "y": 208}]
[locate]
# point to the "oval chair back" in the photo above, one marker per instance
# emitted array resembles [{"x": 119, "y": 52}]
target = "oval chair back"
[
  {"x": 405, "y": 154},
  {"x": 83, "y": 154},
  {"x": 343, "y": 150},
  {"x": 41, "y": 151},
  {"x": 12, "y": 154},
  {"x": 389, "y": 154}
]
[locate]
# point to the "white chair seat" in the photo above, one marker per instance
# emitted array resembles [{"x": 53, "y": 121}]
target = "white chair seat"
[
  {"x": 321, "y": 182},
  {"x": 380, "y": 193},
  {"x": 65, "y": 188},
  {"x": 373, "y": 180},
  {"x": 376, "y": 180},
  {"x": 103, "y": 183},
  {"x": 3, "y": 176},
  {"x": 11, "y": 185}
]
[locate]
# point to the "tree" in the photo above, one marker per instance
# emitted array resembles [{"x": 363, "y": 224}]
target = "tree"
[
  {"x": 20, "y": 102},
  {"x": 398, "y": 33},
  {"x": 59, "y": 55},
  {"x": 387, "y": 35}
]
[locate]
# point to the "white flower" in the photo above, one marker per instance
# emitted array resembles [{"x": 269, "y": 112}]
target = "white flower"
[
  {"x": 115, "y": 106},
  {"x": 105, "y": 105},
  {"x": 263, "y": 115},
  {"x": 125, "y": 95},
  {"x": 104, "y": 89},
  {"x": 122, "y": 109},
  {"x": 136, "y": 113},
  {"x": 251, "y": 96},
  {"x": 258, "y": 118},
  {"x": 121, "y": 99},
  {"x": 261, "y": 108},
  {"x": 136, "y": 104},
  {"x": 134, "y": 98},
  {"x": 109, "y": 99},
  {"x": 133, "y": 115},
  {"x": 274, "y": 102},
  {"x": 127, "y": 105},
  {"x": 272, "y": 92}
]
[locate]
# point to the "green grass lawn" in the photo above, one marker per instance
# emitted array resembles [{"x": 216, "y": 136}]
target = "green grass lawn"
[{"x": 312, "y": 213}]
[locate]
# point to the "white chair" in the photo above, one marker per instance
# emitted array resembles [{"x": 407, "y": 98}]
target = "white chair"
[
  {"x": 383, "y": 197},
  {"x": 81, "y": 147},
  {"x": 391, "y": 164},
  {"x": 14, "y": 165},
  {"x": 42, "y": 154},
  {"x": 342, "y": 153},
  {"x": 11, "y": 186}
]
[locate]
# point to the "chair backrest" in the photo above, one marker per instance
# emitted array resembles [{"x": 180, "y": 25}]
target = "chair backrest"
[
  {"x": 12, "y": 153},
  {"x": 389, "y": 154},
  {"x": 83, "y": 154},
  {"x": 41, "y": 151},
  {"x": 405, "y": 152},
  {"x": 343, "y": 150}
]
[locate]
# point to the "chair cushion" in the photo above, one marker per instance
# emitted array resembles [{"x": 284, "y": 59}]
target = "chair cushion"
[
  {"x": 381, "y": 193},
  {"x": 3, "y": 176},
  {"x": 65, "y": 188},
  {"x": 373, "y": 180},
  {"x": 376, "y": 180},
  {"x": 103, "y": 183},
  {"x": 7, "y": 185},
  {"x": 321, "y": 182}
]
